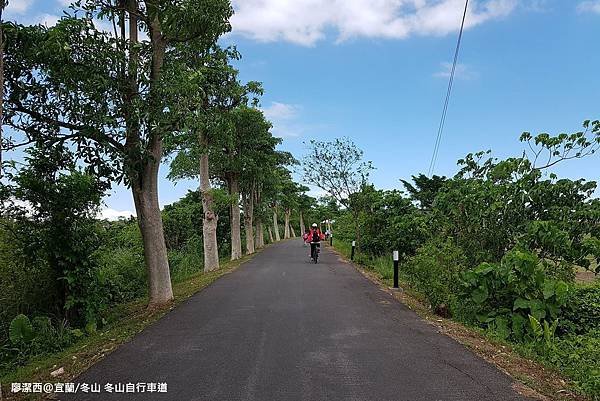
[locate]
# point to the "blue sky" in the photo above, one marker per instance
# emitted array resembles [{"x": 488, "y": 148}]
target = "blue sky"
[{"x": 376, "y": 71}]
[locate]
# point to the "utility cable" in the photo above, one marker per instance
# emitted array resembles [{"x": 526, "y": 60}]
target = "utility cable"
[{"x": 445, "y": 108}]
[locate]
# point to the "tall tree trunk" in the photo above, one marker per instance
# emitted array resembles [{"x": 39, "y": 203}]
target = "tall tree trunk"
[
  {"x": 260, "y": 235},
  {"x": 256, "y": 233},
  {"x": 292, "y": 232},
  {"x": 270, "y": 235},
  {"x": 145, "y": 197},
  {"x": 286, "y": 224},
  {"x": 236, "y": 238},
  {"x": 209, "y": 220},
  {"x": 302, "y": 228},
  {"x": 249, "y": 228},
  {"x": 276, "y": 224},
  {"x": 248, "y": 203},
  {"x": 145, "y": 166}
]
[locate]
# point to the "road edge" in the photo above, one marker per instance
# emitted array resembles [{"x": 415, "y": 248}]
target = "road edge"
[
  {"x": 78, "y": 358},
  {"x": 531, "y": 378}
]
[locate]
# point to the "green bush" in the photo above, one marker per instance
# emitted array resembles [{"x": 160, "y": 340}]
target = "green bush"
[
  {"x": 578, "y": 356},
  {"x": 29, "y": 338},
  {"x": 20, "y": 330},
  {"x": 27, "y": 284},
  {"x": 122, "y": 274},
  {"x": 582, "y": 311},
  {"x": 435, "y": 272},
  {"x": 505, "y": 295},
  {"x": 121, "y": 262},
  {"x": 187, "y": 261}
]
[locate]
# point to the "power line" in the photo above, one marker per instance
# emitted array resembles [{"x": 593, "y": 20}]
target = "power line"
[{"x": 445, "y": 109}]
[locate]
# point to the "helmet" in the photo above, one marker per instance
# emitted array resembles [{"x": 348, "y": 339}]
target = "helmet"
[{"x": 314, "y": 225}]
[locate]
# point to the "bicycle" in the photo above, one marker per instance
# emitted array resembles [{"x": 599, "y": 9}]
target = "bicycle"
[{"x": 315, "y": 250}]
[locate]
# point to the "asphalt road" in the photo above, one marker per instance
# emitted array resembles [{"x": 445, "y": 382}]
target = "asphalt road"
[{"x": 281, "y": 328}]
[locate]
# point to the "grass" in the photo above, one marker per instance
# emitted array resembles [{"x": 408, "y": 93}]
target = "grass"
[
  {"x": 538, "y": 378},
  {"x": 130, "y": 319}
]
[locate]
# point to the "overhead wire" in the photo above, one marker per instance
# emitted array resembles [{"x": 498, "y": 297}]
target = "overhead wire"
[{"x": 448, "y": 92}]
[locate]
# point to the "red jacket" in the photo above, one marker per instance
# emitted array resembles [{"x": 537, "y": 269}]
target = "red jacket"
[{"x": 308, "y": 238}]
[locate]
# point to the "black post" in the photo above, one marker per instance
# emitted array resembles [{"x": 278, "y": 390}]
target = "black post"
[
  {"x": 330, "y": 239},
  {"x": 396, "y": 269},
  {"x": 352, "y": 253}
]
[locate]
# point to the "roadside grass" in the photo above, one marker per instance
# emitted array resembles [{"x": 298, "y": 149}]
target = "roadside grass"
[
  {"x": 126, "y": 321},
  {"x": 540, "y": 379}
]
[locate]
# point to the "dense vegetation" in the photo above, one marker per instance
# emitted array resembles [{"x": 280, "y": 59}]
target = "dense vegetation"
[
  {"x": 85, "y": 109},
  {"x": 497, "y": 246}
]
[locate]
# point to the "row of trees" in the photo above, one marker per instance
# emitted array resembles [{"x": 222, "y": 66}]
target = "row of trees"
[
  {"x": 503, "y": 237},
  {"x": 489, "y": 207},
  {"x": 112, "y": 105},
  {"x": 499, "y": 245}
]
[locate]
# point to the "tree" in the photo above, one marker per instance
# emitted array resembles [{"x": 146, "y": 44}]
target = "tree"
[
  {"x": 106, "y": 94},
  {"x": 267, "y": 192},
  {"x": 494, "y": 205},
  {"x": 51, "y": 206},
  {"x": 247, "y": 148},
  {"x": 424, "y": 189},
  {"x": 256, "y": 159},
  {"x": 290, "y": 200},
  {"x": 210, "y": 91},
  {"x": 547, "y": 150},
  {"x": 305, "y": 203},
  {"x": 337, "y": 168},
  {"x": 278, "y": 196}
]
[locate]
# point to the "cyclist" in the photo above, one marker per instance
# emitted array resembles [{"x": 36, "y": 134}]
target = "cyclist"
[{"x": 315, "y": 236}]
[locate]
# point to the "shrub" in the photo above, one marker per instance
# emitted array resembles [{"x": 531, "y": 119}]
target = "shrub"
[
  {"x": 187, "y": 261},
  {"x": 29, "y": 338},
  {"x": 505, "y": 295},
  {"x": 578, "y": 356},
  {"x": 582, "y": 311},
  {"x": 28, "y": 283},
  {"x": 20, "y": 330},
  {"x": 122, "y": 274},
  {"x": 121, "y": 260},
  {"x": 52, "y": 337},
  {"x": 435, "y": 272}
]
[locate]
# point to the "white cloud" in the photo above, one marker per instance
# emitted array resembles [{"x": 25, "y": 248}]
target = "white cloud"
[
  {"x": 281, "y": 111},
  {"x": 461, "y": 71},
  {"x": 283, "y": 117},
  {"x": 592, "y": 6},
  {"x": 47, "y": 19},
  {"x": 65, "y": 3},
  {"x": 307, "y": 21},
  {"x": 112, "y": 215},
  {"x": 18, "y": 6}
]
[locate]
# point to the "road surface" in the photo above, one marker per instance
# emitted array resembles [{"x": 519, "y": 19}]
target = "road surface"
[{"x": 281, "y": 328}]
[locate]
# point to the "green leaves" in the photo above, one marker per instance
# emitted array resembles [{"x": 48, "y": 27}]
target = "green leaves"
[
  {"x": 521, "y": 303},
  {"x": 502, "y": 327},
  {"x": 343, "y": 162},
  {"x": 480, "y": 294},
  {"x": 20, "y": 330},
  {"x": 582, "y": 311},
  {"x": 513, "y": 291}
]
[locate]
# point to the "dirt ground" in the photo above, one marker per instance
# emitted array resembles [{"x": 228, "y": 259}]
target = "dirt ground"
[{"x": 585, "y": 277}]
